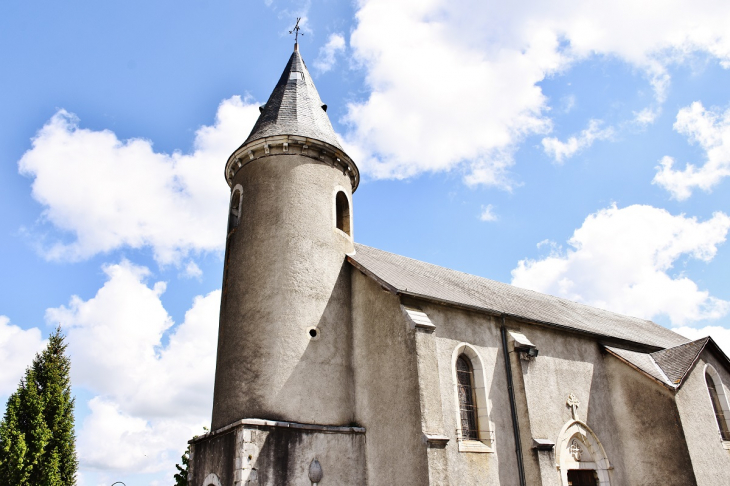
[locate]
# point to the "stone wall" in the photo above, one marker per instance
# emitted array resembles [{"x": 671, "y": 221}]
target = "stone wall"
[{"x": 267, "y": 453}]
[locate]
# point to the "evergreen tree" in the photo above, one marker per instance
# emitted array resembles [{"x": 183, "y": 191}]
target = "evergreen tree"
[
  {"x": 37, "y": 442},
  {"x": 181, "y": 478}
]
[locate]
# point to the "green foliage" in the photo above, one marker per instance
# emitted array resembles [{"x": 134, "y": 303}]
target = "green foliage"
[
  {"x": 37, "y": 442},
  {"x": 181, "y": 478}
]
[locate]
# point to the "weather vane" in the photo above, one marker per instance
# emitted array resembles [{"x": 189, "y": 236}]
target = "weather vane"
[{"x": 295, "y": 31}]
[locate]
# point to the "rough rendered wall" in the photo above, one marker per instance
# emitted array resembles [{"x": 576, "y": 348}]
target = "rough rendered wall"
[
  {"x": 710, "y": 460},
  {"x": 482, "y": 332},
  {"x": 285, "y": 272},
  {"x": 278, "y": 456},
  {"x": 632, "y": 417},
  {"x": 648, "y": 425},
  {"x": 386, "y": 383}
]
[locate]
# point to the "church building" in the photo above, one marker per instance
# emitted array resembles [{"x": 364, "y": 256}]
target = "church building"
[{"x": 340, "y": 364}]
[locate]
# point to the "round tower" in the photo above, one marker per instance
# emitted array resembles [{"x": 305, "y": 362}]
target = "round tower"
[{"x": 284, "y": 335}]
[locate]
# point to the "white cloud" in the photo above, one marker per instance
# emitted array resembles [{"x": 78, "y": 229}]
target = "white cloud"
[
  {"x": 455, "y": 84},
  {"x": 112, "y": 440},
  {"x": 110, "y": 193},
  {"x": 150, "y": 398},
  {"x": 620, "y": 260},
  {"x": 328, "y": 52},
  {"x": 646, "y": 117},
  {"x": 17, "y": 349},
  {"x": 720, "y": 334},
  {"x": 192, "y": 270},
  {"x": 711, "y": 130},
  {"x": 488, "y": 214},
  {"x": 564, "y": 150}
]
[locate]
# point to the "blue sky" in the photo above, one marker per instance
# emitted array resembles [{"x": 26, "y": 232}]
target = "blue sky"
[{"x": 518, "y": 142}]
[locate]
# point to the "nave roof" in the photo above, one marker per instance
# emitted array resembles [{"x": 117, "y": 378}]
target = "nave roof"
[{"x": 419, "y": 279}]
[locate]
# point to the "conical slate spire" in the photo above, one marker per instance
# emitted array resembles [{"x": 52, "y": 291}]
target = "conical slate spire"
[{"x": 294, "y": 108}]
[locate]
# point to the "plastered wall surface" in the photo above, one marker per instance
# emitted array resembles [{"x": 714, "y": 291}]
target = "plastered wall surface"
[
  {"x": 710, "y": 461},
  {"x": 633, "y": 417},
  {"x": 453, "y": 327},
  {"x": 629, "y": 415},
  {"x": 386, "y": 381},
  {"x": 278, "y": 456},
  {"x": 652, "y": 448},
  {"x": 285, "y": 274},
  {"x": 566, "y": 365}
]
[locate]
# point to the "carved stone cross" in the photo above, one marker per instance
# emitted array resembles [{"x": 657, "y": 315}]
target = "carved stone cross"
[{"x": 573, "y": 404}]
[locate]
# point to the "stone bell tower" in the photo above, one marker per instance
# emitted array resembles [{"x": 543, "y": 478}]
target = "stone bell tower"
[{"x": 284, "y": 342}]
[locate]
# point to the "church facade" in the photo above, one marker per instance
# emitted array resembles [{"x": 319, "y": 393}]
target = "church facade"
[{"x": 341, "y": 364}]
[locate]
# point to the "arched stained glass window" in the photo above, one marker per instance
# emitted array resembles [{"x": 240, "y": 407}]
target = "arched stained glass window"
[
  {"x": 717, "y": 406},
  {"x": 467, "y": 403}
]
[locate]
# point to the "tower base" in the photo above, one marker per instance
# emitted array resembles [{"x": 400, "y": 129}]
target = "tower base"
[{"x": 265, "y": 452}]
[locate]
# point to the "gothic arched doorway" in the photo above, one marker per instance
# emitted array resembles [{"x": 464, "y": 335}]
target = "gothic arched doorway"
[
  {"x": 582, "y": 477},
  {"x": 580, "y": 456}
]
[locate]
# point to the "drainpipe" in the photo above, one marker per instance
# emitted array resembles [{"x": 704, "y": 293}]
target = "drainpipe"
[{"x": 513, "y": 408}]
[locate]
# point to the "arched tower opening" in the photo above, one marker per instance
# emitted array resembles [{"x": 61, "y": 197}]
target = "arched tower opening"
[
  {"x": 342, "y": 213},
  {"x": 234, "y": 212}
]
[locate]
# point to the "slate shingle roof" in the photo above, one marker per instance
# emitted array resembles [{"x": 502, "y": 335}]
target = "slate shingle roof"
[
  {"x": 676, "y": 361},
  {"x": 670, "y": 366},
  {"x": 413, "y": 277},
  {"x": 644, "y": 362},
  {"x": 294, "y": 108}
]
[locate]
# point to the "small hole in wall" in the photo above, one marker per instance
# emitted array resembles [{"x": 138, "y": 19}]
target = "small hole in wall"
[
  {"x": 312, "y": 333},
  {"x": 250, "y": 457}
]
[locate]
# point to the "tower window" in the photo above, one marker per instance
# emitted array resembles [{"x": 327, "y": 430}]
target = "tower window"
[
  {"x": 467, "y": 401},
  {"x": 296, "y": 76},
  {"x": 719, "y": 403},
  {"x": 234, "y": 215},
  {"x": 342, "y": 213}
]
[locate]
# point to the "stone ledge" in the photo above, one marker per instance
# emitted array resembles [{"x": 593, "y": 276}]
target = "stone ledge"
[
  {"x": 326, "y": 429},
  {"x": 437, "y": 440}
]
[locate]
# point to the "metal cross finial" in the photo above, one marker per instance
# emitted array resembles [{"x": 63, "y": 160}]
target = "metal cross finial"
[{"x": 295, "y": 31}]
